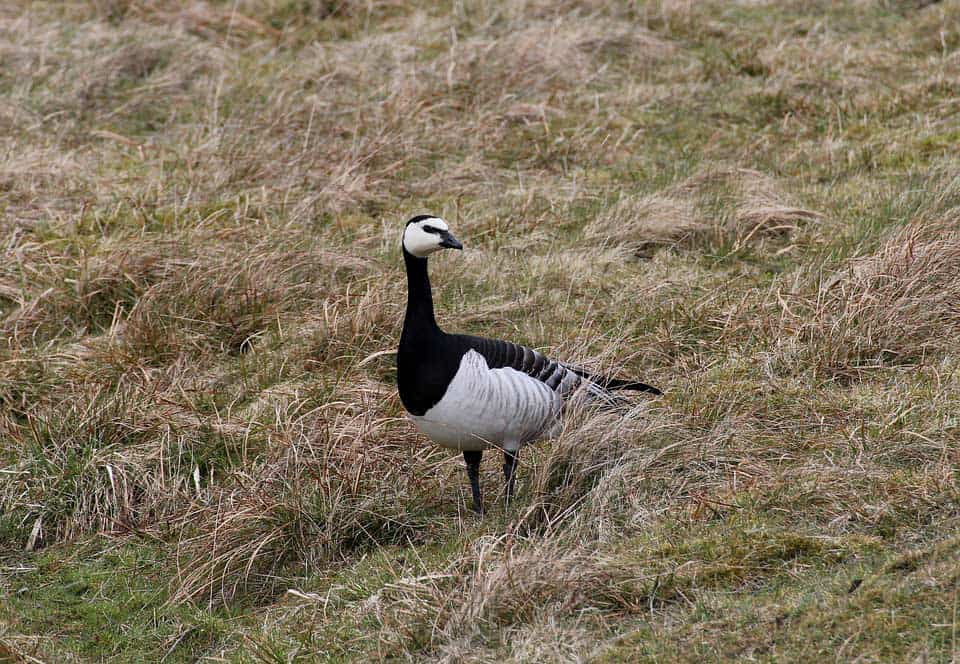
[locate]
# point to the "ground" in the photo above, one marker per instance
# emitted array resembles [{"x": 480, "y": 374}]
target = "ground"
[{"x": 752, "y": 205}]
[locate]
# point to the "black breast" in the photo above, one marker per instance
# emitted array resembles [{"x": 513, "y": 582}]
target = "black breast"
[{"x": 425, "y": 367}]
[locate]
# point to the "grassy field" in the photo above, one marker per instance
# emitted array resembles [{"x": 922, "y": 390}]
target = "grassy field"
[{"x": 752, "y": 205}]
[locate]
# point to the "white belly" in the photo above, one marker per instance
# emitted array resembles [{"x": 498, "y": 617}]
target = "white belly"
[{"x": 486, "y": 407}]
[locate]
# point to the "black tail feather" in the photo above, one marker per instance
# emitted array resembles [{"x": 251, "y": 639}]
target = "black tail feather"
[
  {"x": 615, "y": 383},
  {"x": 635, "y": 386}
]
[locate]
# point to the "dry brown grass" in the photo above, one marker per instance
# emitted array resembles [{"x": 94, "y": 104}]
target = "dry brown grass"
[
  {"x": 337, "y": 481},
  {"x": 200, "y": 287},
  {"x": 719, "y": 206},
  {"x": 501, "y": 588},
  {"x": 898, "y": 305},
  {"x": 103, "y": 462}
]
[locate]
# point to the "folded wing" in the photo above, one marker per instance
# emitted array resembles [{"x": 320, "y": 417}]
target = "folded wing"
[{"x": 563, "y": 379}]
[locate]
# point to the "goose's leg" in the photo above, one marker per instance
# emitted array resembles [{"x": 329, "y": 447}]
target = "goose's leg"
[
  {"x": 472, "y": 457},
  {"x": 509, "y": 467}
]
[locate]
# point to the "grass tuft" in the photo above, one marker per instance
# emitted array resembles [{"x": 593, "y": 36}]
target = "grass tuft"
[{"x": 896, "y": 306}]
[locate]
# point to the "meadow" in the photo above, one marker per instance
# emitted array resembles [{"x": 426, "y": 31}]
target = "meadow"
[{"x": 752, "y": 205}]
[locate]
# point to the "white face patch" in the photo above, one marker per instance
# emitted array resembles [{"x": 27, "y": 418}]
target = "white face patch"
[{"x": 420, "y": 242}]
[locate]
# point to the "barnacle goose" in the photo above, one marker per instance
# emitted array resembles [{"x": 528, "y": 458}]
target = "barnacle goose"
[{"x": 469, "y": 393}]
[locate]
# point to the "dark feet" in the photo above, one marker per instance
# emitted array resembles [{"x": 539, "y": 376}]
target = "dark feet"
[
  {"x": 509, "y": 468},
  {"x": 473, "y": 472}
]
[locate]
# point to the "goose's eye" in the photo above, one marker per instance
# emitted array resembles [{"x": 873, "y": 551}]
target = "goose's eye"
[{"x": 431, "y": 229}]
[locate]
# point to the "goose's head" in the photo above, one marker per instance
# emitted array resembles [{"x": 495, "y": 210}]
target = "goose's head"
[{"x": 426, "y": 234}]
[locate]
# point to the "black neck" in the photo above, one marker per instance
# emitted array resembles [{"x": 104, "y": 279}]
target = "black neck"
[
  {"x": 419, "y": 296},
  {"x": 426, "y": 359}
]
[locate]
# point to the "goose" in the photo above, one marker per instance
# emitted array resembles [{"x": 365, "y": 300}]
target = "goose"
[{"x": 469, "y": 393}]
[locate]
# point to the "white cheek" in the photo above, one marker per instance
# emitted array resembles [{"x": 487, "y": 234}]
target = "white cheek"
[{"x": 420, "y": 243}]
